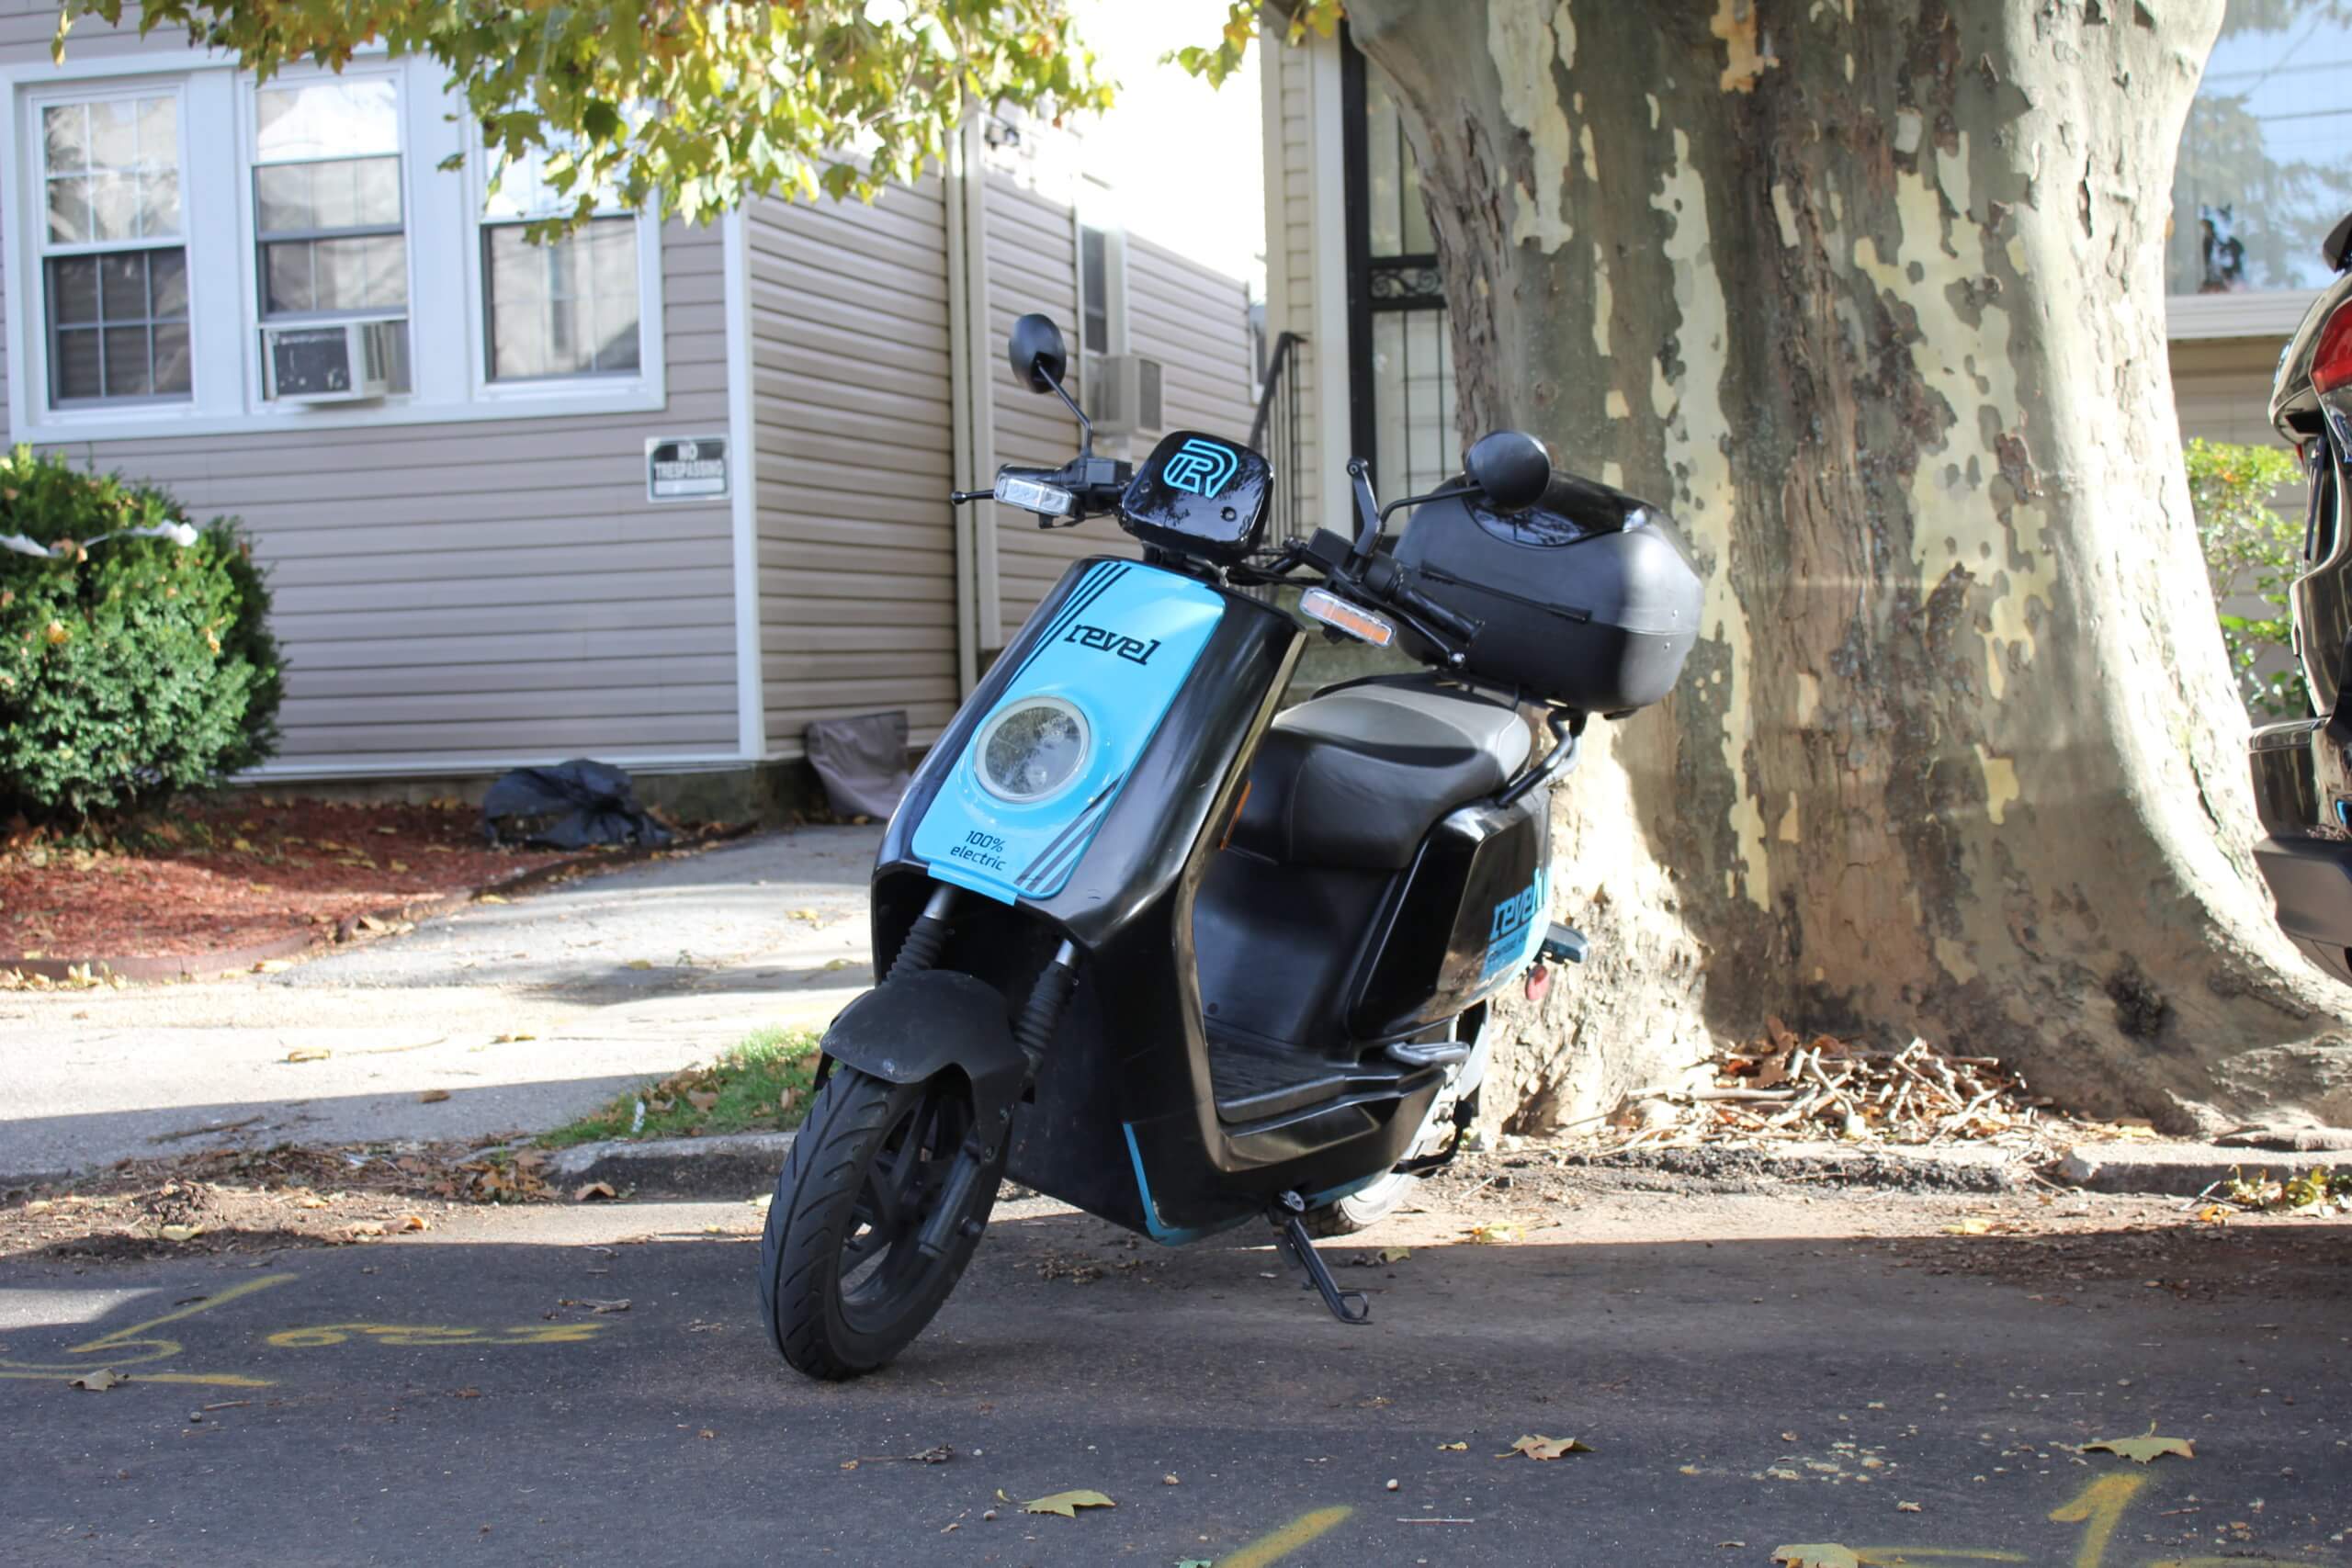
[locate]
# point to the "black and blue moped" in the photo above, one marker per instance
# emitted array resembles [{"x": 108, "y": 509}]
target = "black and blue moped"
[{"x": 1161, "y": 948}]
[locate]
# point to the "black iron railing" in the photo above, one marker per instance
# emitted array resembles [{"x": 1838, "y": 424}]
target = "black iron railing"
[{"x": 1275, "y": 431}]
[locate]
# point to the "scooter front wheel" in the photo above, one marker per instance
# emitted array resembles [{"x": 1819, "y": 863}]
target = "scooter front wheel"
[{"x": 845, "y": 1280}]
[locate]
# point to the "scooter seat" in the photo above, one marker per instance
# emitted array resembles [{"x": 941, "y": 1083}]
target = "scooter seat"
[{"x": 1357, "y": 775}]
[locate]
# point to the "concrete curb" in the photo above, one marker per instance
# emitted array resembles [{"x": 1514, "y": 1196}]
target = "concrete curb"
[
  {"x": 2178, "y": 1170},
  {"x": 725, "y": 1165}
]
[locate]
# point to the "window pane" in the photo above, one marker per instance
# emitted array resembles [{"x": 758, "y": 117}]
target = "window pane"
[
  {"x": 127, "y": 372},
  {"x": 65, "y": 131},
  {"x": 73, "y": 365},
  {"x": 327, "y": 119},
  {"x": 2266, "y": 160},
  {"x": 114, "y": 134},
  {"x": 171, "y": 374},
  {"x": 159, "y": 133},
  {"x": 122, "y": 286},
  {"x": 114, "y": 207},
  {"x": 341, "y": 274},
  {"x": 286, "y": 279},
  {"x": 73, "y": 289},
  {"x": 282, "y": 201},
  {"x": 377, "y": 190},
  {"x": 167, "y": 283},
  {"x": 159, "y": 205},
  {"x": 564, "y": 309},
  {"x": 68, "y": 209}
]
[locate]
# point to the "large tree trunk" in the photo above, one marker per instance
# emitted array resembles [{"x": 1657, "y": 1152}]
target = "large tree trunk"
[{"x": 1870, "y": 299}]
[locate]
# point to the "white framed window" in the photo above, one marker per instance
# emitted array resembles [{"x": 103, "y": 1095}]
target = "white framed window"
[
  {"x": 162, "y": 219},
  {"x": 573, "y": 310},
  {"x": 329, "y": 218},
  {"x": 2265, "y": 171},
  {"x": 113, "y": 275}
]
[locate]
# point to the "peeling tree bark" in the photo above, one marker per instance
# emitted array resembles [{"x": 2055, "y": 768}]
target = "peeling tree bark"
[{"x": 1870, "y": 299}]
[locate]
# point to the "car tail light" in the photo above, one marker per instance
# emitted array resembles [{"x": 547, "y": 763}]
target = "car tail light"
[{"x": 2331, "y": 360}]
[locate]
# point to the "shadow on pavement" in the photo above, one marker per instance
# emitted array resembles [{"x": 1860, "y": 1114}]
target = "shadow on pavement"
[{"x": 593, "y": 1385}]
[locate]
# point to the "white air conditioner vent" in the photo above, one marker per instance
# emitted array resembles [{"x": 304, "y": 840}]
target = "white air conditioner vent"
[
  {"x": 330, "y": 362},
  {"x": 1123, "y": 393}
]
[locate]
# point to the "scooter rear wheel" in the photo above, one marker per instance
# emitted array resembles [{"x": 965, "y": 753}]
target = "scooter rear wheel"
[
  {"x": 843, "y": 1284},
  {"x": 1360, "y": 1210}
]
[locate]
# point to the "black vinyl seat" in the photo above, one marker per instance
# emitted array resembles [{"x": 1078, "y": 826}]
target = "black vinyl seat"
[{"x": 1357, "y": 775}]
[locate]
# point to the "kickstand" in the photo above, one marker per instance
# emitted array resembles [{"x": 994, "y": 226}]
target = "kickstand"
[{"x": 1348, "y": 1306}]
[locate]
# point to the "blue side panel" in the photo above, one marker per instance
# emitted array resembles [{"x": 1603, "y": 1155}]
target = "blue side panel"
[{"x": 1118, "y": 649}]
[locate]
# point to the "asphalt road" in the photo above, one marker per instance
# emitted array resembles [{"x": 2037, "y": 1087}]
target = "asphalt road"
[{"x": 1749, "y": 1372}]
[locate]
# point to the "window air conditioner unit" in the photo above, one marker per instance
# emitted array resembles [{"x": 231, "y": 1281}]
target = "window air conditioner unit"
[
  {"x": 1123, "y": 393},
  {"x": 330, "y": 362}
]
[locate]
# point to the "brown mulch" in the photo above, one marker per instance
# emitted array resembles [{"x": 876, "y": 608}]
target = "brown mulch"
[
  {"x": 234, "y": 1200},
  {"x": 242, "y": 871}
]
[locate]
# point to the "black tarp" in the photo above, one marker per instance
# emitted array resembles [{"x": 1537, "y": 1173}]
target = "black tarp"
[{"x": 573, "y": 806}]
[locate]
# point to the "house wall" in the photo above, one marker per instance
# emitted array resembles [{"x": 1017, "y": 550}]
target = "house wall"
[
  {"x": 852, "y": 366},
  {"x": 478, "y": 593}
]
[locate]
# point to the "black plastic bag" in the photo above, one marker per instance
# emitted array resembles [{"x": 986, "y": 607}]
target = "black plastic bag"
[{"x": 571, "y": 806}]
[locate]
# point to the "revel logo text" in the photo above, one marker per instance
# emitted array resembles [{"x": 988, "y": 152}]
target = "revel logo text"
[
  {"x": 1200, "y": 466},
  {"x": 1104, "y": 641}
]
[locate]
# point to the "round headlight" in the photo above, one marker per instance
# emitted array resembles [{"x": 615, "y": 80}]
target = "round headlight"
[{"x": 1033, "y": 749}]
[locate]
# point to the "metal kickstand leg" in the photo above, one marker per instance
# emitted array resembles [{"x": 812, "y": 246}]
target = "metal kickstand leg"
[{"x": 1348, "y": 1306}]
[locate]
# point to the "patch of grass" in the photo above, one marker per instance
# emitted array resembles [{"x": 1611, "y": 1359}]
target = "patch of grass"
[{"x": 742, "y": 1092}]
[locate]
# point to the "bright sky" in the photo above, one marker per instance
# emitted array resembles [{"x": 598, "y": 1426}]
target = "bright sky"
[{"x": 1182, "y": 159}]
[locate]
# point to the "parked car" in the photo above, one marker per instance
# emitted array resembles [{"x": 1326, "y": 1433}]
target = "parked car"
[{"x": 2302, "y": 770}]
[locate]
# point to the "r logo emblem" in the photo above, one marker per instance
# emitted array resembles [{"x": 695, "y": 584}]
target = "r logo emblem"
[{"x": 1200, "y": 466}]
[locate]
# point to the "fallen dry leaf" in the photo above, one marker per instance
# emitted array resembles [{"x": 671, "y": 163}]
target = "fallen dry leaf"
[
  {"x": 1452, "y": 1448},
  {"x": 702, "y": 1099},
  {"x": 1831, "y": 1556},
  {"x": 638, "y": 964},
  {"x": 1906, "y": 1508},
  {"x": 98, "y": 1381},
  {"x": 2145, "y": 1449},
  {"x": 1539, "y": 1447},
  {"x": 179, "y": 1232},
  {"x": 618, "y": 1304},
  {"x": 1492, "y": 1235},
  {"x": 308, "y": 1054},
  {"x": 433, "y": 1097},
  {"x": 515, "y": 1038},
  {"x": 1973, "y": 1225},
  {"x": 1067, "y": 1504},
  {"x": 1394, "y": 1254},
  {"x": 412, "y": 1223},
  {"x": 784, "y": 1102},
  {"x": 591, "y": 1191}
]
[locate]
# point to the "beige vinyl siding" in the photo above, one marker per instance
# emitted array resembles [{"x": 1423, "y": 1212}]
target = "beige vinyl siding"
[
  {"x": 851, "y": 397},
  {"x": 2221, "y": 388},
  {"x": 1195, "y": 321},
  {"x": 1289, "y": 107},
  {"x": 1032, "y": 266}
]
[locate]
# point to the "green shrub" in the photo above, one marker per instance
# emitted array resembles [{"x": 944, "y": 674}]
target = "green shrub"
[
  {"x": 2251, "y": 548},
  {"x": 130, "y": 668}
]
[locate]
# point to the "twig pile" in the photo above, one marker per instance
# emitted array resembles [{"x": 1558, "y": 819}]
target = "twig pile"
[{"x": 1788, "y": 1089}]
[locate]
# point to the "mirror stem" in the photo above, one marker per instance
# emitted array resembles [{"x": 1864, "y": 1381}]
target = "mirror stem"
[{"x": 1085, "y": 425}]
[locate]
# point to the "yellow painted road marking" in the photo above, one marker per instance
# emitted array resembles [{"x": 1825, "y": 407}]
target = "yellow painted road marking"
[
  {"x": 2099, "y": 1508},
  {"x": 102, "y": 1351},
  {"x": 213, "y": 1380},
  {"x": 1289, "y": 1539},
  {"x": 414, "y": 1334},
  {"x": 1886, "y": 1556}
]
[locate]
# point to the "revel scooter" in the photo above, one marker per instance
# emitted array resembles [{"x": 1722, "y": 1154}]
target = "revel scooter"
[{"x": 1152, "y": 944}]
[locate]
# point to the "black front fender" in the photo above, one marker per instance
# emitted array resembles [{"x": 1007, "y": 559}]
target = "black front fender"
[{"x": 907, "y": 1030}]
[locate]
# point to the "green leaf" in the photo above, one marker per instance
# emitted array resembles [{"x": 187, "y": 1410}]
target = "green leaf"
[{"x": 1829, "y": 1556}]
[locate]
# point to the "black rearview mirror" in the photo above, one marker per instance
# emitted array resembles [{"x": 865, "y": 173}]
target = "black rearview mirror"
[
  {"x": 1039, "y": 360},
  {"x": 1511, "y": 467}
]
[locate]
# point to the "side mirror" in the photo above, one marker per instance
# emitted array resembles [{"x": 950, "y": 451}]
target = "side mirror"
[
  {"x": 1039, "y": 361},
  {"x": 1511, "y": 467}
]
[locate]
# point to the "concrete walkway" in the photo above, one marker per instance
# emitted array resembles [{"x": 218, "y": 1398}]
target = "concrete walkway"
[{"x": 527, "y": 1014}]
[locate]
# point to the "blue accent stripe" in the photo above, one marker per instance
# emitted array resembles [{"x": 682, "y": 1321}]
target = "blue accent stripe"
[{"x": 1167, "y": 1235}]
